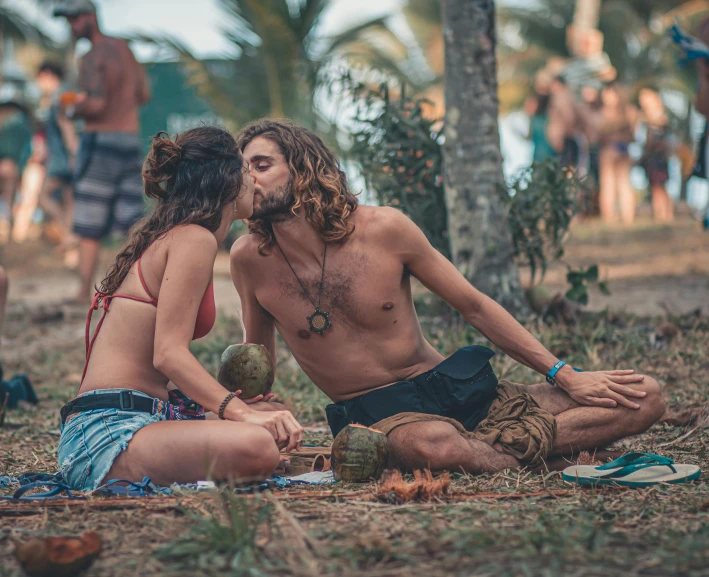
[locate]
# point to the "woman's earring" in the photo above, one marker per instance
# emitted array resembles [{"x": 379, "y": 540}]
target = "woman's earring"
[{"x": 235, "y": 210}]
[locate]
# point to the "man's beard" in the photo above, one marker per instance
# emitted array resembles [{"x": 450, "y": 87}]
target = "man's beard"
[{"x": 276, "y": 207}]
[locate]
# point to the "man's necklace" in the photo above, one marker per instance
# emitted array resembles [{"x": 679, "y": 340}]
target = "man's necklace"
[{"x": 319, "y": 320}]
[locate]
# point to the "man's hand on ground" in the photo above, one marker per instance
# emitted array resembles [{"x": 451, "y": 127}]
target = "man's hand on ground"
[{"x": 601, "y": 388}]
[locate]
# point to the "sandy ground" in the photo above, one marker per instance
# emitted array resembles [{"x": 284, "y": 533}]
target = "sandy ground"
[{"x": 650, "y": 270}]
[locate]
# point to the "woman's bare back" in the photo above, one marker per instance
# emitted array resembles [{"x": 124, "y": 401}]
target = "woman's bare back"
[{"x": 122, "y": 355}]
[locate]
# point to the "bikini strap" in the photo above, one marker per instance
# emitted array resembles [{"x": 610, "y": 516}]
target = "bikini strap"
[
  {"x": 89, "y": 339},
  {"x": 105, "y": 300},
  {"x": 153, "y": 300}
]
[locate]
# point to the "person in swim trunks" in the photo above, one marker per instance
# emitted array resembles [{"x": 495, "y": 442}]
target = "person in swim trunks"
[
  {"x": 158, "y": 296},
  {"x": 108, "y": 191},
  {"x": 334, "y": 279}
]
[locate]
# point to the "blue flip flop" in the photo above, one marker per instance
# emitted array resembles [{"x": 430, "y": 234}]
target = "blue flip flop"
[{"x": 632, "y": 470}]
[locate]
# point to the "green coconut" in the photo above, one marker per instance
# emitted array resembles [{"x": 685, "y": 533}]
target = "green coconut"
[
  {"x": 359, "y": 454},
  {"x": 248, "y": 368}
]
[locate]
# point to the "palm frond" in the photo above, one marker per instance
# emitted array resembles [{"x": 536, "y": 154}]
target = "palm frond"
[{"x": 14, "y": 25}]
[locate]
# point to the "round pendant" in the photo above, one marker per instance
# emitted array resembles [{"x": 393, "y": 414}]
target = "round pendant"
[{"x": 319, "y": 321}]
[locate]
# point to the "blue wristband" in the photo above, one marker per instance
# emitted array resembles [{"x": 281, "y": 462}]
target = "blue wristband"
[{"x": 552, "y": 373}]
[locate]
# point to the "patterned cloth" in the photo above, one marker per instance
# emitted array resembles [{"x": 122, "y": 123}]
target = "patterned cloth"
[{"x": 178, "y": 408}]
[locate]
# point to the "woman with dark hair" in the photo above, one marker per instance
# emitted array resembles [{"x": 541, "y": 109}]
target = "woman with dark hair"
[{"x": 158, "y": 297}]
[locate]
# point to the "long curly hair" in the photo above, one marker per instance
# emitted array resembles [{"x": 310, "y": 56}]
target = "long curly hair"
[
  {"x": 320, "y": 185},
  {"x": 191, "y": 178}
]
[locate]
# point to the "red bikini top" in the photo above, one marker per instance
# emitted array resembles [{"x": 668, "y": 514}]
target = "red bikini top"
[{"x": 206, "y": 315}]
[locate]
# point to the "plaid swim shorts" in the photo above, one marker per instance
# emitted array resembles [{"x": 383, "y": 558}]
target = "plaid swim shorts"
[{"x": 108, "y": 186}]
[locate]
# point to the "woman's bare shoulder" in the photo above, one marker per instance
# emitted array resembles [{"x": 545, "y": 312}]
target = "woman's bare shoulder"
[{"x": 191, "y": 235}]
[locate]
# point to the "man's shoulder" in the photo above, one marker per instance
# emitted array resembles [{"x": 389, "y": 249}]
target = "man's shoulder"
[
  {"x": 245, "y": 248},
  {"x": 381, "y": 220},
  {"x": 110, "y": 47}
]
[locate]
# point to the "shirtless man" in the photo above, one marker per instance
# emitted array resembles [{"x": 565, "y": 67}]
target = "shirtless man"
[
  {"x": 334, "y": 279},
  {"x": 107, "y": 183}
]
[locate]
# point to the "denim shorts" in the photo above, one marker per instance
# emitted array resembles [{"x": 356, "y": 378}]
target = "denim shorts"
[{"x": 92, "y": 440}]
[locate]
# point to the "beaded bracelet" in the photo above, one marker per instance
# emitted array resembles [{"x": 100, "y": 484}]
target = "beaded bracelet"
[{"x": 225, "y": 402}]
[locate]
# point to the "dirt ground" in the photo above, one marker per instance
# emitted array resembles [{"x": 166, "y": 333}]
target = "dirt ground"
[
  {"x": 651, "y": 270},
  {"x": 514, "y": 523}
]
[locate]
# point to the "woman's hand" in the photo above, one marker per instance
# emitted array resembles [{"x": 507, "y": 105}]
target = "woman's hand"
[
  {"x": 282, "y": 425},
  {"x": 601, "y": 388},
  {"x": 256, "y": 399}
]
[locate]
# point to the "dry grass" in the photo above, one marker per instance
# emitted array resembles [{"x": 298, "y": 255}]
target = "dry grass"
[{"x": 512, "y": 523}]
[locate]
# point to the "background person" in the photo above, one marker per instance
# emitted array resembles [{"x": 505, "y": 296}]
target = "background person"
[
  {"x": 616, "y": 133},
  {"x": 62, "y": 143},
  {"x": 562, "y": 123},
  {"x": 107, "y": 187},
  {"x": 15, "y": 148},
  {"x": 655, "y": 156}
]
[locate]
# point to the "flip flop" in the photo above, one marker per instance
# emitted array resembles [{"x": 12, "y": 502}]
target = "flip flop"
[{"x": 632, "y": 470}]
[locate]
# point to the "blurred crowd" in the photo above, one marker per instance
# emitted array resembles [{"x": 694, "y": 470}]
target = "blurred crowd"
[
  {"x": 38, "y": 149},
  {"x": 76, "y": 153},
  {"x": 589, "y": 124}
]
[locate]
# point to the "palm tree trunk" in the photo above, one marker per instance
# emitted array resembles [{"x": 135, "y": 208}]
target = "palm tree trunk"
[{"x": 480, "y": 241}]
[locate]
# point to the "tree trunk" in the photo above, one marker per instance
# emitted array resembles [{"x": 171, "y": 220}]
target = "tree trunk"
[{"x": 480, "y": 240}]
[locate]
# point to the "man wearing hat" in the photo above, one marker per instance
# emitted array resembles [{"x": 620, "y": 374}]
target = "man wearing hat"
[{"x": 107, "y": 175}]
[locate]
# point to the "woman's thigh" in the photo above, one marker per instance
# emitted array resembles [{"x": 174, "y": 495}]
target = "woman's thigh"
[{"x": 188, "y": 451}]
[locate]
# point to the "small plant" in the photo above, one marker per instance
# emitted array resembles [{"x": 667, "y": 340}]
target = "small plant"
[
  {"x": 541, "y": 201},
  {"x": 579, "y": 279},
  {"x": 399, "y": 150},
  {"x": 210, "y": 542},
  {"x": 398, "y": 147}
]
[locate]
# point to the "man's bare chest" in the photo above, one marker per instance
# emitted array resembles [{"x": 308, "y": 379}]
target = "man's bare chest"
[{"x": 359, "y": 292}]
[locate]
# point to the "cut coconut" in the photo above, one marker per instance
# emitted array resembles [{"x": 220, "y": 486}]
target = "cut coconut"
[
  {"x": 58, "y": 556},
  {"x": 248, "y": 368},
  {"x": 359, "y": 454}
]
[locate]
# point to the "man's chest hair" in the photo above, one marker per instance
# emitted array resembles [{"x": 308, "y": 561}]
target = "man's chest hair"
[{"x": 343, "y": 280}]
